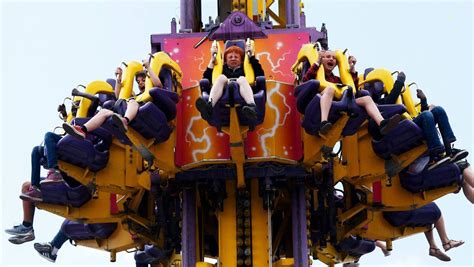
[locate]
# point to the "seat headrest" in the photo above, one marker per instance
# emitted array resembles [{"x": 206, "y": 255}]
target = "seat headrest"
[
  {"x": 166, "y": 79},
  {"x": 239, "y": 43}
]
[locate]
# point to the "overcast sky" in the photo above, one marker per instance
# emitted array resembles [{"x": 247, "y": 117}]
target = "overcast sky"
[{"x": 50, "y": 47}]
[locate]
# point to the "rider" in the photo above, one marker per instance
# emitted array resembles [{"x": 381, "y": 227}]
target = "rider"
[
  {"x": 130, "y": 113},
  {"x": 233, "y": 69},
  {"x": 328, "y": 61}
]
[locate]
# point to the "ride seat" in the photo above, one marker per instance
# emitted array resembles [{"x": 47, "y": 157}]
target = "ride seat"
[
  {"x": 82, "y": 231},
  {"x": 442, "y": 176},
  {"x": 151, "y": 255},
  {"x": 91, "y": 152},
  {"x": 424, "y": 216},
  {"x": 231, "y": 96},
  {"x": 405, "y": 136},
  {"x": 355, "y": 246},
  {"x": 152, "y": 117},
  {"x": 69, "y": 192},
  {"x": 106, "y": 101},
  {"x": 308, "y": 103},
  {"x": 375, "y": 88}
]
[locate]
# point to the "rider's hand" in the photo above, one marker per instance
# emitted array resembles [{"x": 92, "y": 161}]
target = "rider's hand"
[
  {"x": 420, "y": 94},
  {"x": 249, "y": 50},
  {"x": 118, "y": 73},
  {"x": 352, "y": 63},
  {"x": 146, "y": 63}
]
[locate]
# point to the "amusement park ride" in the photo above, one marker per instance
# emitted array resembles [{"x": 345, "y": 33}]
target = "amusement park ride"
[{"x": 178, "y": 188}]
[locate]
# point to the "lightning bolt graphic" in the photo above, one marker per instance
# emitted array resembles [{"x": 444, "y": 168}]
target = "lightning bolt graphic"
[
  {"x": 277, "y": 65},
  {"x": 271, "y": 132},
  {"x": 205, "y": 138},
  {"x": 200, "y": 61}
]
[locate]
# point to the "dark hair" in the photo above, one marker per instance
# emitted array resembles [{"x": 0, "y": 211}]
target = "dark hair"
[{"x": 141, "y": 73}]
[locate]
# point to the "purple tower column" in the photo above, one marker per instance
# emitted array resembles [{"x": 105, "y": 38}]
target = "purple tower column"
[
  {"x": 298, "y": 219},
  {"x": 187, "y": 15},
  {"x": 189, "y": 228},
  {"x": 293, "y": 12}
]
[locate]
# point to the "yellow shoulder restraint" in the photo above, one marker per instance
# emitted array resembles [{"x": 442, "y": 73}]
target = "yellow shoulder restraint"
[{"x": 158, "y": 61}]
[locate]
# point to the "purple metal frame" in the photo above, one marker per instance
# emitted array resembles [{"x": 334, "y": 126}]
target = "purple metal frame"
[
  {"x": 298, "y": 220},
  {"x": 187, "y": 15},
  {"x": 293, "y": 12},
  {"x": 189, "y": 228},
  {"x": 238, "y": 26}
]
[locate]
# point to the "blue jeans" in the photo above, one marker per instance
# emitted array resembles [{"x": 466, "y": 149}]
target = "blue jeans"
[
  {"x": 38, "y": 152},
  {"x": 50, "y": 141},
  {"x": 59, "y": 240},
  {"x": 427, "y": 121},
  {"x": 441, "y": 118}
]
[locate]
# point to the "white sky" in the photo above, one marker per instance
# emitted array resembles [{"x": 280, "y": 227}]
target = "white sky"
[{"x": 50, "y": 47}]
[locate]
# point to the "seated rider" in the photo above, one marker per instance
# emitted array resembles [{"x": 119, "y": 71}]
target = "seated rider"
[
  {"x": 233, "y": 69},
  {"x": 446, "y": 242},
  {"x": 130, "y": 113},
  {"x": 427, "y": 121},
  {"x": 328, "y": 60},
  {"x": 31, "y": 190}
]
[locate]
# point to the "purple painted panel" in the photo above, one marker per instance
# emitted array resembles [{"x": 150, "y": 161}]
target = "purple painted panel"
[
  {"x": 189, "y": 228},
  {"x": 298, "y": 219}
]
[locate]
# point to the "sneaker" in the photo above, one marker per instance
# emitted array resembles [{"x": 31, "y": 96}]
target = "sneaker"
[
  {"x": 119, "y": 122},
  {"x": 20, "y": 239},
  {"x": 458, "y": 154},
  {"x": 205, "y": 108},
  {"x": 389, "y": 124},
  {"x": 74, "y": 130},
  {"x": 351, "y": 264},
  {"x": 250, "y": 112},
  {"x": 45, "y": 251},
  {"x": 437, "y": 161},
  {"x": 54, "y": 176},
  {"x": 33, "y": 194},
  {"x": 325, "y": 127},
  {"x": 19, "y": 230}
]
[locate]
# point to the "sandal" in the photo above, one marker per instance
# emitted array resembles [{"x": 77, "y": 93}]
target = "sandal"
[
  {"x": 452, "y": 244},
  {"x": 436, "y": 252}
]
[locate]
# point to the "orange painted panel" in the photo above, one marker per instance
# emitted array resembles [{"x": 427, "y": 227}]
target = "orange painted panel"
[{"x": 280, "y": 134}]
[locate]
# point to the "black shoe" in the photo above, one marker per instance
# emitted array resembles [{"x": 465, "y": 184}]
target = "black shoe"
[
  {"x": 389, "y": 124},
  {"x": 458, "y": 154},
  {"x": 462, "y": 165},
  {"x": 436, "y": 161},
  {"x": 250, "y": 112},
  {"x": 325, "y": 127},
  {"x": 118, "y": 123},
  {"x": 401, "y": 77},
  {"x": 205, "y": 108}
]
